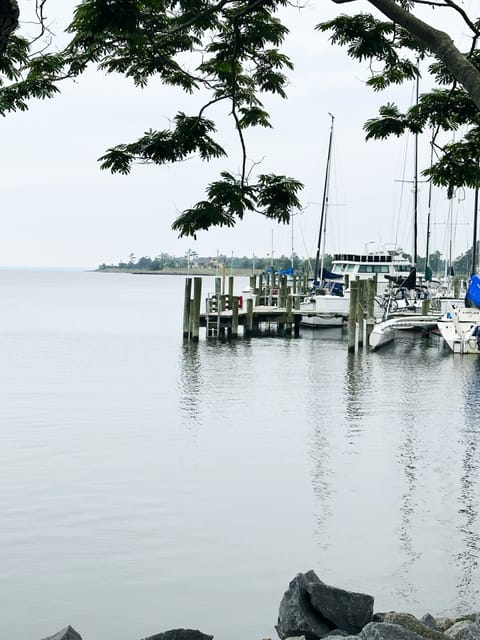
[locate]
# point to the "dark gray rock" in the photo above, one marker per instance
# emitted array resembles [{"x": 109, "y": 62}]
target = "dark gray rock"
[
  {"x": 180, "y": 634},
  {"x": 296, "y": 617},
  {"x": 343, "y": 609},
  {"x": 68, "y": 633},
  {"x": 387, "y": 631},
  {"x": 429, "y": 621}
]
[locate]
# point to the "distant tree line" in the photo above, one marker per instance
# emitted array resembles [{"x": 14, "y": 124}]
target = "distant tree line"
[
  {"x": 165, "y": 262},
  {"x": 462, "y": 265}
]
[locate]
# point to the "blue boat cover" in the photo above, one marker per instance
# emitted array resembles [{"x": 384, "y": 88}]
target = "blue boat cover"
[{"x": 472, "y": 299}]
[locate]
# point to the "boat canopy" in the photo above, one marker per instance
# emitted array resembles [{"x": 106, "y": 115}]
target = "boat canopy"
[
  {"x": 407, "y": 282},
  {"x": 472, "y": 297}
]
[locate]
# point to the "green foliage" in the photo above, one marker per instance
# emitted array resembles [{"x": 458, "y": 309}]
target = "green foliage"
[
  {"x": 229, "y": 199},
  {"x": 445, "y": 109}
]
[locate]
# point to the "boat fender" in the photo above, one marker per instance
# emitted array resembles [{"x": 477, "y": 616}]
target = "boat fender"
[{"x": 240, "y": 302}]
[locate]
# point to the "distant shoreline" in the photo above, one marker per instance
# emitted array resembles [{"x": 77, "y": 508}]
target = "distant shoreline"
[{"x": 184, "y": 272}]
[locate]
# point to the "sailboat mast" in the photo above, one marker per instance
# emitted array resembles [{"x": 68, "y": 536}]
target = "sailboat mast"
[
  {"x": 428, "y": 271},
  {"x": 323, "y": 217},
  {"x": 415, "y": 186}
]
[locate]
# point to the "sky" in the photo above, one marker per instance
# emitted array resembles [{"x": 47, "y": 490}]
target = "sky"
[{"x": 59, "y": 209}]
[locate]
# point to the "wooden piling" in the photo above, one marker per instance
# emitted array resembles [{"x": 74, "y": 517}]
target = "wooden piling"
[
  {"x": 288, "y": 328},
  {"x": 249, "y": 325},
  {"x": 352, "y": 315},
  {"x": 197, "y": 296},
  {"x": 370, "y": 306},
  {"x": 186, "y": 308},
  {"x": 235, "y": 317},
  {"x": 360, "y": 311}
]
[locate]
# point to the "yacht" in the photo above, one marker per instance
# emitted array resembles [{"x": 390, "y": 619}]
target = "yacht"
[{"x": 387, "y": 266}]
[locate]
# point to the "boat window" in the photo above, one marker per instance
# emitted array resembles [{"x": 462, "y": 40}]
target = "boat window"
[{"x": 350, "y": 267}]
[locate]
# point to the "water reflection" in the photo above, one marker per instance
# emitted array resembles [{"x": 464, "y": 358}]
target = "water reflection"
[
  {"x": 190, "y": 384},
  {"x": 467, "y": 559},
  {"x": 356, "y": 389}
]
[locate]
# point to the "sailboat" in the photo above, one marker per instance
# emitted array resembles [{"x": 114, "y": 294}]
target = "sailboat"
[
  {"x": 460, "y": 325},
  {"x": 326, "y": 305},
  {"x": 407, "y": 291}
]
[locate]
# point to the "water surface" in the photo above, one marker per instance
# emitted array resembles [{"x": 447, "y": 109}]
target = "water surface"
[{"x": 146, "y": 484}]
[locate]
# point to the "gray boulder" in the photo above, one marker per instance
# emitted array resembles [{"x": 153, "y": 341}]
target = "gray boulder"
[
  {"x": 345, "y": 610},
  {"x": 411, "y": 623},
  {"x": 68, "y": 633},
  {"x": 387, "y": 631},
  {"x": 180, "y": 634},
  {"x": 429, "y": 621},
  {"x": 464, "y": 630},
  {"x": 296, "y": 616},
  {"x": 314, "y": 609}
]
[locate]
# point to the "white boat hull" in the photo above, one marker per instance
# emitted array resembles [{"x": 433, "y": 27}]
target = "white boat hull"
[
  {"x": 325, "y": 311},
  {"x": 460, "y": 329},
  {"x": 385, "y": 331}
]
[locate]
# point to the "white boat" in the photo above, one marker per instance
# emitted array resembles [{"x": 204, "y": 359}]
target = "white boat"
[
  {"x": 385, "y": 331},
  {"x": 382, "y": 265},
  {"x": 325, "y": 309},
  {"x": 460, "y": 329}
]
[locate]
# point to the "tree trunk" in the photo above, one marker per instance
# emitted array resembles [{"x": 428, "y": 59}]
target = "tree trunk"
[
  {"x": 438, "y": 42},
  {"x": 9, "y": 13}
]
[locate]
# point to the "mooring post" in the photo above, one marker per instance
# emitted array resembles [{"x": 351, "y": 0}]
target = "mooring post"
[
  {"x": 283, "y": 291},
  {"x": 186, "y": 308},
  {"x": 197, "y": 297},
  {"x": 425, "y": 306},
  {"x": 249, "y": 325},
  {"x": 235, "y": 317},
  {"x": 230, "y": 288},
  {"x": 288, "y": 328},
  {"x": 352, "y": 315},
  {"x": 361, "y": 310},
  {"x": 370, "y": 306}
]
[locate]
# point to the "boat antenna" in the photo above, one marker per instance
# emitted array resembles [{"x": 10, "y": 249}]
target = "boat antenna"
[{"x": 323, "y": 217}]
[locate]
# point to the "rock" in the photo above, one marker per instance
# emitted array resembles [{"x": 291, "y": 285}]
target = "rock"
[
  {"x": 296, "y": 616},
  {"x": 429, "y": 621},
  {"x": 411, "y": 623},
  {"x": 314, "y": 609},
  {"x": 443, "y": 623},
  {"x": 180, "y": 634},
  {"x": 464, "y": 630},
  {"x": 68, "y": 633},
  {"x": 344, "y": 610},
  {"x": 387, "y": 631}
]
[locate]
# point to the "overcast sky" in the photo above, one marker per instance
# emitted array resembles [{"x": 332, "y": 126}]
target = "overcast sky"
[{"x": 60, "y": 210}]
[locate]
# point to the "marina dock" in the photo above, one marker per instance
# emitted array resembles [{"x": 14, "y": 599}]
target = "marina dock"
[{"x": 269, "y": 305}]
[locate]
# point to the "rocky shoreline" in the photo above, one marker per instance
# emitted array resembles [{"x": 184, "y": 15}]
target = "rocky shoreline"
[{"x": 311, "y": 609}]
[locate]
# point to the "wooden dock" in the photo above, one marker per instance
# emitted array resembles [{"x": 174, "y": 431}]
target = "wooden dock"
[{"x": 270, "y": 305}]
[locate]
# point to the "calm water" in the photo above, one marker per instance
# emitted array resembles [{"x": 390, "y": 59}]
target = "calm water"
[{"x": 147, "y": 485}]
